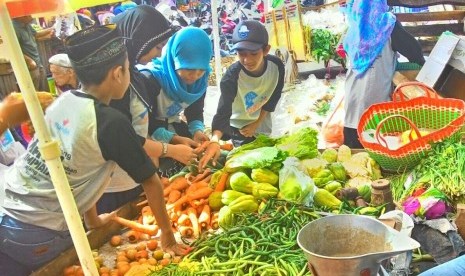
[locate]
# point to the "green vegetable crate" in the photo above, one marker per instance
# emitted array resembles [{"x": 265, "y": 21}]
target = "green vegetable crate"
[{"x": 444, "y": 117}]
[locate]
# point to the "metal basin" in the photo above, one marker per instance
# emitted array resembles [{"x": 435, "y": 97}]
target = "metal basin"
[{"x": 350, "y": 245}]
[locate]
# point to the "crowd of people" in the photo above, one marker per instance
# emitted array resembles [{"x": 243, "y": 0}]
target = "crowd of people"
[{"x": 129, "y": 110}]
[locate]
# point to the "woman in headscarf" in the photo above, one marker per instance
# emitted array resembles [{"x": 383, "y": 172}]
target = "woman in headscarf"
[
  {"x": 145, "y": 31},
  {"x": 182, "y": 74},
  {"x": 372, "y": 40}
]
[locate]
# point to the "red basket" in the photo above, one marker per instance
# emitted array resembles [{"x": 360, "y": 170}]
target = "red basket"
[
  {"x": 400, "y": 93},
  {"x": 445, "y": 117}
]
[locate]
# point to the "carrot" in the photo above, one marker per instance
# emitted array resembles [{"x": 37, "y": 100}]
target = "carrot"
[
  {"x": 186, "y": 231},
  {"x": 227, "y": 146},
  {"x": 207, "y": 178},
  {"x": 173, "y": 196},
  {"x": 142, "y": 203},
  {"x": 214, "y": 221},
  {"x": 174, "y": 215},
  {"x": 179, "y": 183},
  {"x": 192, "y": 213},
  {"x": 204, "y": 218},
  {"x": 165, "y": 181},
  {"x": 148, "y": 229},
  {"x": 183, "y": 220},
  {"x": 132, "y": 236},
  {"x": 198, "y": 203},
  {"x": 202, "y": 175},
  {"x": 202, "y": 147},
  {"x": 196, "y": 186},
  {"x": 147, "y": 216},
  {"x": 190, "y": 177},
  {"x": 200, "y": 193},
  {"x": 221, "y": 185}
]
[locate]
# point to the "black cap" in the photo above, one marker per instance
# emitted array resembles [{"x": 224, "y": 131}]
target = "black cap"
[
  {"x": 249, "y": 35},
  {"x": 95, "y": 46}
]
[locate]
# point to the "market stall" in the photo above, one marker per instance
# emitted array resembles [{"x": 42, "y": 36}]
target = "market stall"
[{"x": 250, "y": 213}]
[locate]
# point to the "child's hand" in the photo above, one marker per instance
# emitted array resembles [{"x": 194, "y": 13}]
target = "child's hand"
[
  {"x": 184, "y": 141},
  {"x": 169, "y": 245},
  {"x": 212, "y": 152},
  {"x": 182, "y": 153},
  {"x": 249, "y": 130},
  {"x": 200, "y": 137}
]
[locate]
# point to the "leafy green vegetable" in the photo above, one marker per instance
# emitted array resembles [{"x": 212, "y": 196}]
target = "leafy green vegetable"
[
  {"x": 323, "y": 46},
  {"x": 256, "y": 158},
  {"x": 302, "y": 144},
  {"x": 261, "y": 141}
]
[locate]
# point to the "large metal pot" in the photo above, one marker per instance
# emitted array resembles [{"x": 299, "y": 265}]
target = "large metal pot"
[{"x": 350, "y": 245}]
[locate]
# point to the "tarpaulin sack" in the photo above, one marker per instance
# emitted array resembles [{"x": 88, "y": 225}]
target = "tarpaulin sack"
[{"x": 444, "y": 118}]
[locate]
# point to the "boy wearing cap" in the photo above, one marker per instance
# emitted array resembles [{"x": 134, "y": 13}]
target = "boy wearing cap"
[
  {"x": 93, "y": 138},
  {"x": 250, "y": 90}
]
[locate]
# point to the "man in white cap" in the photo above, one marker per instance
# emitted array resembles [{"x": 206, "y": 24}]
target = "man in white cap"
[{"x": 63, "y": 73}]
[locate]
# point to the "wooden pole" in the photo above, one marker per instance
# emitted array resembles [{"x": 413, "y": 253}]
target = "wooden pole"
[
  {"x": 48, "y": 147},
  {"x": 216, "y": 42}
]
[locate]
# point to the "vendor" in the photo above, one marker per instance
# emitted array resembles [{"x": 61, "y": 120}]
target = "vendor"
[
  {"x": 371, "y": 47},
  {"x": 63, "y": 73}
]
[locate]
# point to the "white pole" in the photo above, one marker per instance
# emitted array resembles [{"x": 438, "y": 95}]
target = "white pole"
[
  {"x": 49, "y": 148},
  {"x": 216, "y": 42}
]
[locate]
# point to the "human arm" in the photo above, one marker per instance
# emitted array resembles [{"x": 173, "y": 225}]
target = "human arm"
[
  {"x": 154, "y": 192},
  {"x": 44, "y": 34},
  {"x": 93, "y": 220},
  {"x": 249, "y": 130},
  {"x": 221, "y": 120},
  {"x": 13, "y": 109},
  {"x": 181, "y": 153},
  {"x": 404, "y": 43},
  {"x": 31, "y": 64},
  {"x": 119, "y": 142},
  {"x": 194, "y": 117}
]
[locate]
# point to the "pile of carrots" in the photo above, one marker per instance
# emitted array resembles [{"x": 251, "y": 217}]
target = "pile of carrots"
[
  {"x": 187, "y": 203},
  {"x": 186, "y": 198}
]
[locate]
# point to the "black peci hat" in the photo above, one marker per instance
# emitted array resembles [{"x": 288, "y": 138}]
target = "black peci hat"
[{"x": 95, "y": 46}]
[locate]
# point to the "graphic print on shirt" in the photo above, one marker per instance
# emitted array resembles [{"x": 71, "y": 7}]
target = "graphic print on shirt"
[
  {"x": 62, "y": 127},
  {"x": 253, "y": 102}
]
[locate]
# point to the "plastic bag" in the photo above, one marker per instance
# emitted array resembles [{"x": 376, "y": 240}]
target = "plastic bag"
[
  {"x": 294, "y": 185},
  {"x": 333, "y": 130}
]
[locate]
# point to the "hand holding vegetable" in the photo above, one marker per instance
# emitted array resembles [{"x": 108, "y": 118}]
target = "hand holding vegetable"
[
  {"x": 182, "y": 153},
  {"x": 169, "y": 245},
  {"x": 211, "y": 152},
  {"x": 184, "y": 141},
  {"x": 200, "y": 137}
]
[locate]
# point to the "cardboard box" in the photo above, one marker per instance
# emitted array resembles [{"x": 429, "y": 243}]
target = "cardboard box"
[{"x": 444, "y": 69}]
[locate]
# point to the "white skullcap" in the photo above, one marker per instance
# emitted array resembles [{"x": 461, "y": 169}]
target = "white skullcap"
[{"x": 60, "y": 60}]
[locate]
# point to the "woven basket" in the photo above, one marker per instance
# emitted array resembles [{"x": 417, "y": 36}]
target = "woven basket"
[
  {"x": 413, "y": 89},
  {"x": 444, "y": 117}
]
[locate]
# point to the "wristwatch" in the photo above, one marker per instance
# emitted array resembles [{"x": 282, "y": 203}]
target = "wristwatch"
[{"x": 164, "y": 149}]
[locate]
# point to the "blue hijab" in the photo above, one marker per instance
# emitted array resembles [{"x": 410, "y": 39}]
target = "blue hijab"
[
  {"x": 370, "y": 26},
  {"x": 189, "y": 48}
]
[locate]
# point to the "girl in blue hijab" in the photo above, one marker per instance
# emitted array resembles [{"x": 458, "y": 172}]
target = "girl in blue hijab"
[{"x": 182, "y": 74}]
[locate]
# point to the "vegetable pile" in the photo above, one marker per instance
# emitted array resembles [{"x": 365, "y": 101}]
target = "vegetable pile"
[{"x": 263, "y": 243}]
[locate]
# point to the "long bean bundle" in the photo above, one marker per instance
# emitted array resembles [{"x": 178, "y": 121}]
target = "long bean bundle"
[
  {"x": 260, "y": 244},
  {"x": 444, "y": 169}
]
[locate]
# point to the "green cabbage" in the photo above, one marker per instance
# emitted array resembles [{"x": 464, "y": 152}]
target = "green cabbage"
[
  {"x": 265, "y": 157},
  {"x": 302, "y": 144}
]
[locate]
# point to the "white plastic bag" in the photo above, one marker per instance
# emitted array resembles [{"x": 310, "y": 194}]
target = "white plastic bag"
[{"x": 294, "y": 185}]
